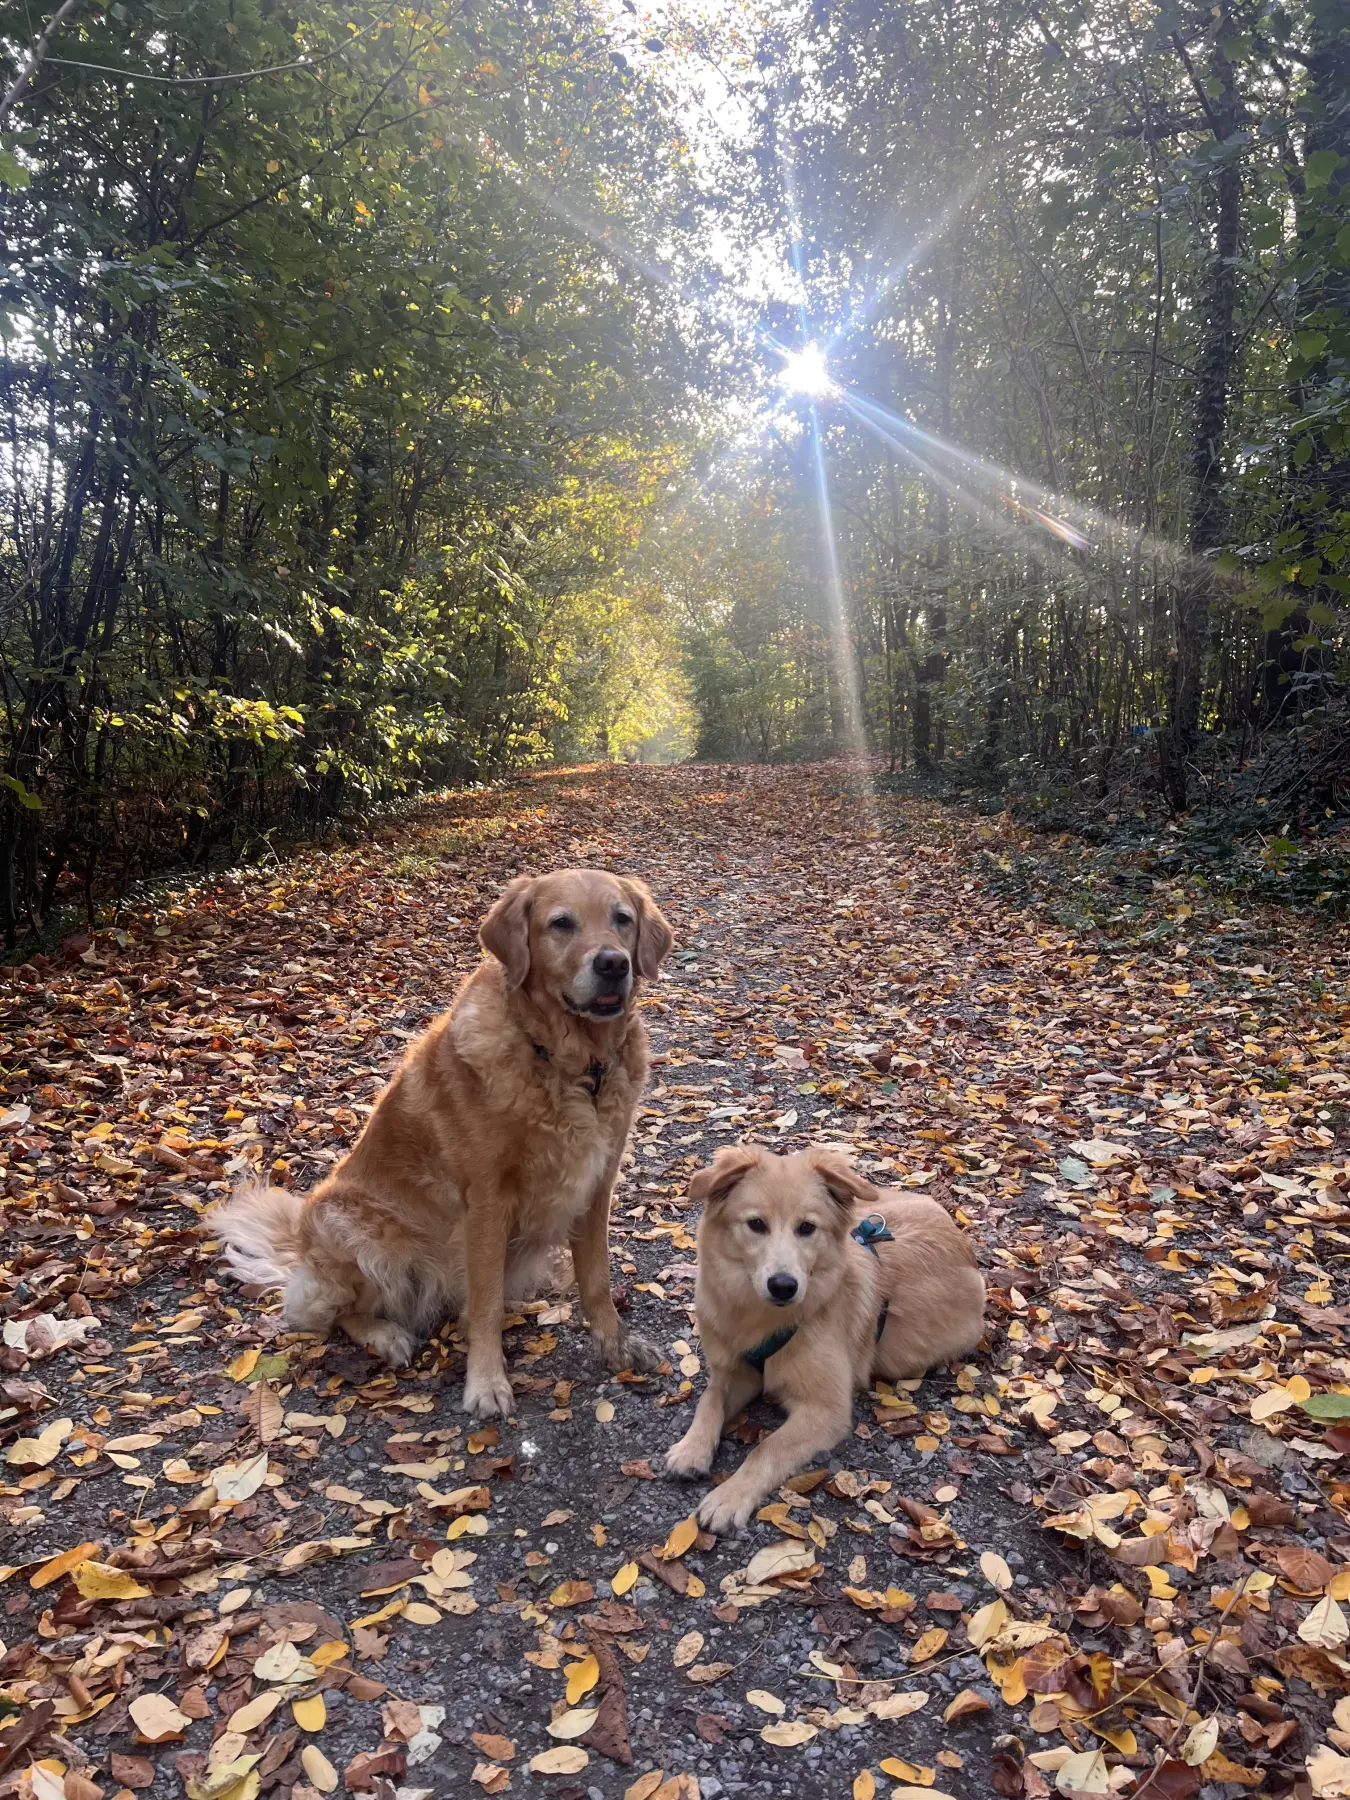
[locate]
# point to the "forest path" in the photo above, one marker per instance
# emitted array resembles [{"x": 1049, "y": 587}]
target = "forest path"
[{"x": 1145, "y": 1135}]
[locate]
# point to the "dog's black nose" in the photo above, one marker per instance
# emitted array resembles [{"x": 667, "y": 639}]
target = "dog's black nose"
[
  {"x": 782, "y": 1288},
  {"x": 611, "y": 965}
]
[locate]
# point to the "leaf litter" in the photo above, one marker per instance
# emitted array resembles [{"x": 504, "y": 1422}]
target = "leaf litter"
[{"x": 1109, "y": 1554}]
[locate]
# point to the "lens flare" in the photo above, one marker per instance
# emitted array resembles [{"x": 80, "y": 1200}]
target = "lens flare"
[{"x": 806, "y": 371}]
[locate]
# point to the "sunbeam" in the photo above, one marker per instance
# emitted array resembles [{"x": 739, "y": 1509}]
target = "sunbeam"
[{"x": 845, "y": 671}]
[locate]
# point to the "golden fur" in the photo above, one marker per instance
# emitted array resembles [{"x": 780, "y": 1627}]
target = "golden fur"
[
  {"x": 487, "y": 1149},
  {"x": 803, "y": 1209}
]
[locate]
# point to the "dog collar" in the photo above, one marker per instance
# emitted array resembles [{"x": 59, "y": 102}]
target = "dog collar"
[
  {"x": 770, "y": 1346},
  {"x": 593, "y": 1079}
]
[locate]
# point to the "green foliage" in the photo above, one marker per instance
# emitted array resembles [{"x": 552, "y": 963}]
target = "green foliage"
[
  {"x": 331, "y": 434},
  {"x": 1008, "y": 225}
]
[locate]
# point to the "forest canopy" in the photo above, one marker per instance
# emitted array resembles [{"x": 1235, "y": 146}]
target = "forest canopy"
[{"x": 396, "y": 398}]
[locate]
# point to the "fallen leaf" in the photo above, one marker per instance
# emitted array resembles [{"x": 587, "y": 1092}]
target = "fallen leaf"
[
  {"x": 573, "y": 1723},
  {"x": 788, "y": 1733},
  {"x": 157, "y": 1719},
  {"x": 566, "y": 1759}
]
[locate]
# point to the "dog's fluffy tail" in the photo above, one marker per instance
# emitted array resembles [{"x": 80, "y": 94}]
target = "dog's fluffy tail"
[{"x": 260, "y": 1227}]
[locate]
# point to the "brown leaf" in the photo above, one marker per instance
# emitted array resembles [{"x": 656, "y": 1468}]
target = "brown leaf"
[
  {"x": 16, "y": 1738},
  {"x": 365, "y": 1769},
  {"x": 132, "y": 1771},
  {"x": 609, "y": 1734},
  {"x": 1304, "y": 1568}
]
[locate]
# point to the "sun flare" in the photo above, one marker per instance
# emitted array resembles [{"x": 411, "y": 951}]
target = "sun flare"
[{"x": 806, "y": 371}]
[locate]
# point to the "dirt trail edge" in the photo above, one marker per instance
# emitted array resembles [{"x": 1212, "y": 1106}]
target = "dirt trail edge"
[{"x": 1109, "y": 1554}]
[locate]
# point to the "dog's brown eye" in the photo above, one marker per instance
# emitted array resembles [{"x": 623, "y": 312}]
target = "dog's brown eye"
[
  {"x": 623, "y": 920},
  {"x": 806, "y": 1229},
  {"x": 757, "y": 1226},
  {"x": 562, "y": 923}
]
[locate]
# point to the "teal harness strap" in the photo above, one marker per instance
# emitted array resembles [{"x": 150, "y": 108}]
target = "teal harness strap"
[
  {"x": 870, "y": 1232},
  {"x": 769, "y": 1347}
]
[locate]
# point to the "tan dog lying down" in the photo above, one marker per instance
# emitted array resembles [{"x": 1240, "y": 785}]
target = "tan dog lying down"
[
  {"x": 791, "y": 1302},
  {"x": 498, "y": 1138}
]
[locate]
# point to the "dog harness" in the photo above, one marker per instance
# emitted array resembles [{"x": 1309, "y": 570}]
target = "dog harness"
[
  {"x": 868, "y": 1232},
  {"x": 594, "y": 1078}
]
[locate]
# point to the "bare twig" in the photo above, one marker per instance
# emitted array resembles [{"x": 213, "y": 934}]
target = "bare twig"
[{"x": 19, "y": 86}]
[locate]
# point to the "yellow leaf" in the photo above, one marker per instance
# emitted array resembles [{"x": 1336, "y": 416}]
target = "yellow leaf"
[
  {"x": 1298, "y": 1387},
  {"x": 574, "y": 1723},
  {"x": 232, "y": 1780},
  {"x": 864, "y": 1785},
  {"x": 965, "y": 1703},
  {"x": 682, "y": 1538},
  {"x": 995, "y": 1571},
  {"x": 987, "y": 1623},
  {"x": 1325, "y": 1627},
  {"x": 898, "y": 1706},
  {"x": 1274, "y": 1400},
  {"x": 1159, "y": 1586},
  {"x": 581, "y": 1678},
  {"x": 417, "y": 1612},
  {"x": 328, "y": 1653},
  {"x": 255, "y": 1712},
  {"x": 317, "y": 1767},
  {"x": 1122, "y": 1740},
  {"x": 36, "y": 1453},
  {"x": 645, "y": 1785},
  {"x": 156, "y": 1718},
  {"x": 604, "y": 1412},
  {"x": 99, "y": 1581},
  {"x": 788, "y": 1733},
  {"x": 310, "y": 1714},
  {"x": 766, "y": 1702},
  {"x": 392, "y": 1611},
  {"x": 626, "y": 1578},
  {"x": 566, "y": 1759},
  {"x": 929, "y": 1644},
  {"x": 243, "y": 1365}
]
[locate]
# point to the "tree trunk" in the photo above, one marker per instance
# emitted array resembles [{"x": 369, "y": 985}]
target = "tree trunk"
[{"x": 1217, "y": 353}]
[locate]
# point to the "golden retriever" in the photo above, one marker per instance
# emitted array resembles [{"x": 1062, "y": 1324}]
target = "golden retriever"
[
  {"x": 498, "y": 1139},
  {"x": 802, "y": 1298}
]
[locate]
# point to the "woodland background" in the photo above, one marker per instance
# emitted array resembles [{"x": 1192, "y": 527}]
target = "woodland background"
[{"x": 389, "y": 400}]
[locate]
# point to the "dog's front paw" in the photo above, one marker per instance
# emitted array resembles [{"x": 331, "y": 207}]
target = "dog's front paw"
[
  {"x": 687, "y": 1460},
  {"x": 727, "y": 1509},
  {"x": 627, "y": 1350},
  {"x": 488, "y": 1393},
  {"x": 391, "y": 1343}
]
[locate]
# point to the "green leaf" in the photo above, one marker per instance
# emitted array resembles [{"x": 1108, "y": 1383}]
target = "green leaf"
[
  {"x": 1321, "y": 166},
  {"x": 12, "y": 172},
  {"x": 23, "y": 795},
  {"x": 1327, "y": 1406}
]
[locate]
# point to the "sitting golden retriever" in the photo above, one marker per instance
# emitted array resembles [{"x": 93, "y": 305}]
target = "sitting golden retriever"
[
  {"x": 800, "y": 1297},
  {"x": 498, "y": 1139}
]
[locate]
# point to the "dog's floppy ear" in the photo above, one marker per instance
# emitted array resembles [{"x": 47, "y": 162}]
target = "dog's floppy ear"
[
  {"x": 842, "y": 1179},
  {"x": 655, "y": 938},
  {"x": 505, "y": 932},
  {"x": 732, "y": 1163}
]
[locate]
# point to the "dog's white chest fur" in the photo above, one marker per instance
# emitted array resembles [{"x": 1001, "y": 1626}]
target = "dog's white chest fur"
[{"x": 563, "y": 1181}]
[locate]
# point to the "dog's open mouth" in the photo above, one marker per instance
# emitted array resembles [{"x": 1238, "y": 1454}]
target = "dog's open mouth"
[{"x": 600, "y": 1006}]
